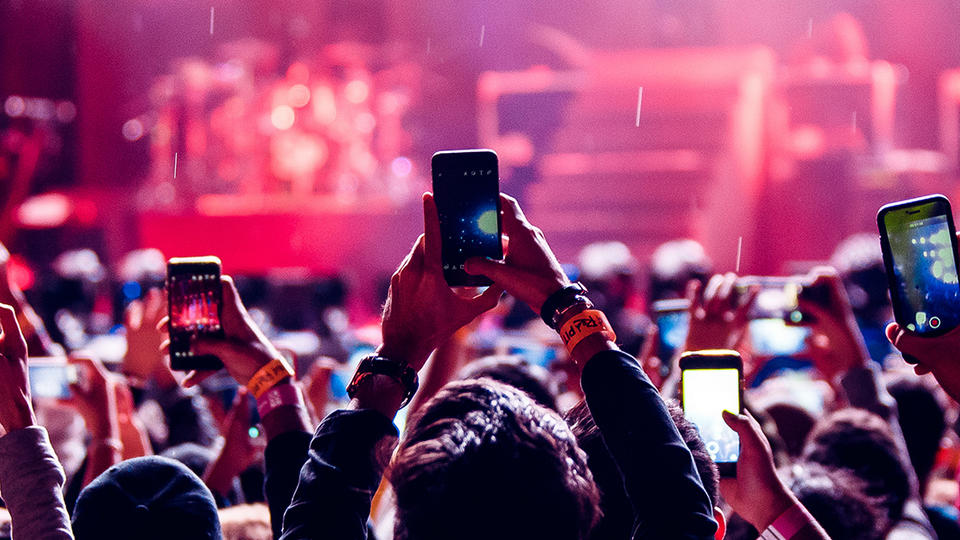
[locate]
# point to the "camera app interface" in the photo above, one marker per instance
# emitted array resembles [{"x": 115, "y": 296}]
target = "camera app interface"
[
  {"x": 706, "y": 394},
  {"x": 466, "y": 190},
  {"x": 194, "y": 309},
  {"x": 926, "y": 273}
]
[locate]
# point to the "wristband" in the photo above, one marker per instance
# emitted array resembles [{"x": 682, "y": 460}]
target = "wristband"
[
  {"x": 584, "y": 324},
  {"x": 269, "y": 375},
  {"x": 278, "y": 396},
  {"x": 790, "y": 522}
]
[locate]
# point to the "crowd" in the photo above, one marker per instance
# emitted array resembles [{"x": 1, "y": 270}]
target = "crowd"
[{"x": 536, "y": 408}]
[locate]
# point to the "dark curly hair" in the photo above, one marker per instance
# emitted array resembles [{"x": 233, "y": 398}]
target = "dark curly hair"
[{"x": 483, "y": 460}]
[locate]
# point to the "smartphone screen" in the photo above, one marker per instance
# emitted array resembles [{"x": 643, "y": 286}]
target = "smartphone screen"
[
  {"x": 706, "y": 394},
  {"x": 920, "y": 253},
  {"x": 774, "y": 337},
  {"x": 49, "y": 380},
  {"x": 466, "y": 188},
  {"x": 194, "y": 298},
  {"x": 673, "y": 322}
]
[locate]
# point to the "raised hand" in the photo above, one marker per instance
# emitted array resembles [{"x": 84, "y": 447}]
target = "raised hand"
[
  {"x": 422, "y": 311},
  {"x": 530, "y": 271},
  {"x": 938, "y": 355},
  {"x": 16, "y": 410},
  {"x": 836, "y": 344},
  {"x": 718, "y": 312},
  {"x": 243, "y": 349},
  {"x": 144, "y": 337}
]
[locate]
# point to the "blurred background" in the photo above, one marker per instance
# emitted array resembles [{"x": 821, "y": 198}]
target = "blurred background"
[{"x": 292, "y": 139}]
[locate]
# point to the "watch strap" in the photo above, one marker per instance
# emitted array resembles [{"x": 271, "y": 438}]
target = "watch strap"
[{"x": 378, "y": 365}]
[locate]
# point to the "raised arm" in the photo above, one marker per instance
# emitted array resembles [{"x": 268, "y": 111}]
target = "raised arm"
[
  {"x": 657, "y": 467},
  {"x": 30, "y": 474},
  {"x": 347, "y": 453}
]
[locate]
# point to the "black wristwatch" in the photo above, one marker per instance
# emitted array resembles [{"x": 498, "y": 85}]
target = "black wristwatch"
[
  {"x": 378, "y": 365},
  {"x": 559, "y": 301}
]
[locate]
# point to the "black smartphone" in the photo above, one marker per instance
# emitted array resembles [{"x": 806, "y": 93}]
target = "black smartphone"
[
  {"x": 194, "y": 297},
  {"x": 919, "y": 245},
  {"x": 672, "y": 318},
  {"x": 466, "y": 188},
  {"x": 51, "y": 377},
  {"x": 711, "y": 382}
]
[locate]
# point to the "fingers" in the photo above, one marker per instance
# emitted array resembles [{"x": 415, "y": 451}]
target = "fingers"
[
  {"x": 906, "y": 341},
  {"x": 154, "y": 306},
  {"x": 14, "y": 346},
  {"x": 431, "y": 230},
  {"x": 649, "y": 347},
  {"x": 710, "y": 294},
  {"x": 513, "y": 218},
  {"x": 694, "y": 296},
  {"x": 488, "y": 299},
  {"x": 163, "y": 324},
  {"x": 232, "y": 308},
  {"x": 133, "y": 315}
]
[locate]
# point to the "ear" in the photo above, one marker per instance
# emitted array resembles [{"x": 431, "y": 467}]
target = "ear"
[{"x": 721, "y": 523}]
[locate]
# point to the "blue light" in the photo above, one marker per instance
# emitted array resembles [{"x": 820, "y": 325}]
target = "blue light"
[{"x": 132, "y": 290}]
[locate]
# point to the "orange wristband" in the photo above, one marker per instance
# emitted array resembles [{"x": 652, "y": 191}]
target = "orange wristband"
[
  {"x": 584, "y": 324},
  {"x": 269, "y": 375}
]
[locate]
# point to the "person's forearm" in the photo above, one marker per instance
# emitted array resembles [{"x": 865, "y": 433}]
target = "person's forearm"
[
  {"x": 644, "y": 442},
  {"x": 445, "y": 362},
  {"x": 32, "y": 479}
]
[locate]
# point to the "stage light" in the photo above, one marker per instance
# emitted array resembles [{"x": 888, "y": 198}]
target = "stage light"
[
  {"x": 365, "y": 122},
  {"x": 66, "y": 111},
  {"x": 298, "y": 95},
  {"x": 132, "y": 130},
  {"x": 14, "y": 106},
  {"x": 401, "y": 167},
  {"x": 487, "y": 222},
  {"x": 45, "y": 211},
  {"x": 356, "y": 91},
  {"x": 282, "y": 117}
]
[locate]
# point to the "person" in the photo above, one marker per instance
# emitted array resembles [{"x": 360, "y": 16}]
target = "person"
[
  {"x": 149, "y": 498},
  {"x": 30, "y": 474},
  {"x": 516, "y": 372},
  {"x": 618, "y": 517},
  {"x": 338, "y": 480}
]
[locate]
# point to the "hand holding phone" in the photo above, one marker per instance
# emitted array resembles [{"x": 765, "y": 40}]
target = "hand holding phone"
[
  {"x": 466, "y": 189},
  {"x": 672, "y": 318},
  {"x": 711, "y": 382},
  {"x": 919, "y": 243}
]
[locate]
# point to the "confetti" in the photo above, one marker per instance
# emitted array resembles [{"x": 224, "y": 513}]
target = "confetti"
[
  {"x": 211, "y": 20},
  {"x": 174, "y": 165},
  {"x": 483, "y": 29},
  {"x": 739, "y": 251},
  {"x": 639, "y": 102}
]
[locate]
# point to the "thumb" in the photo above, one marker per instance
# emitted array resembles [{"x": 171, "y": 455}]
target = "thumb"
[
  {"x": 491, "y": 268},
  {"x": 737, "y": 422}
]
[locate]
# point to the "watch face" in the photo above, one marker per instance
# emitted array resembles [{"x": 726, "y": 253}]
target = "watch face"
[{"x": 378, "y": 365}]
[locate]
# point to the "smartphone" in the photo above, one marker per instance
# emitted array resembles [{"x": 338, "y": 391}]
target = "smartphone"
[
  {"x": 466, "y": 188},
  {"x": 672, "y": 318},
  {"x": 919, "y": 245},
  {"x": 711, "y": 382},
  {"x": 775, "y": 337},
  {"x": 194, "y": 299},
  {"x": 51, "y": 377}
]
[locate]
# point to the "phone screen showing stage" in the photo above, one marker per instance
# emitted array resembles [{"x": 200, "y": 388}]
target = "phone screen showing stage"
[
  {"x": 194, "y": 296},
  {"x": 466, "y": 189},
  {"x": 706, "y": 394},
  {"x": 924, "y": 266}
]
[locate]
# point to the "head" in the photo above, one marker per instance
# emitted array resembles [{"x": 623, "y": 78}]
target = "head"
[
  {"x": 922, "y": 420},
  {"x": 862, "y": 442},
  {"x": 516, "y": 372},
  {"x": 607, "y": 269},
  {"x": 618, "y": 517},
  {"x": 673, "y": 265},
  {"x": 837, "y": 498},
  {"x": 149, "y": 498},
  {"x": 793, "y": 425},
  {"x": 859, "y": 262},
  {"x": 483, "y": 460}
]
